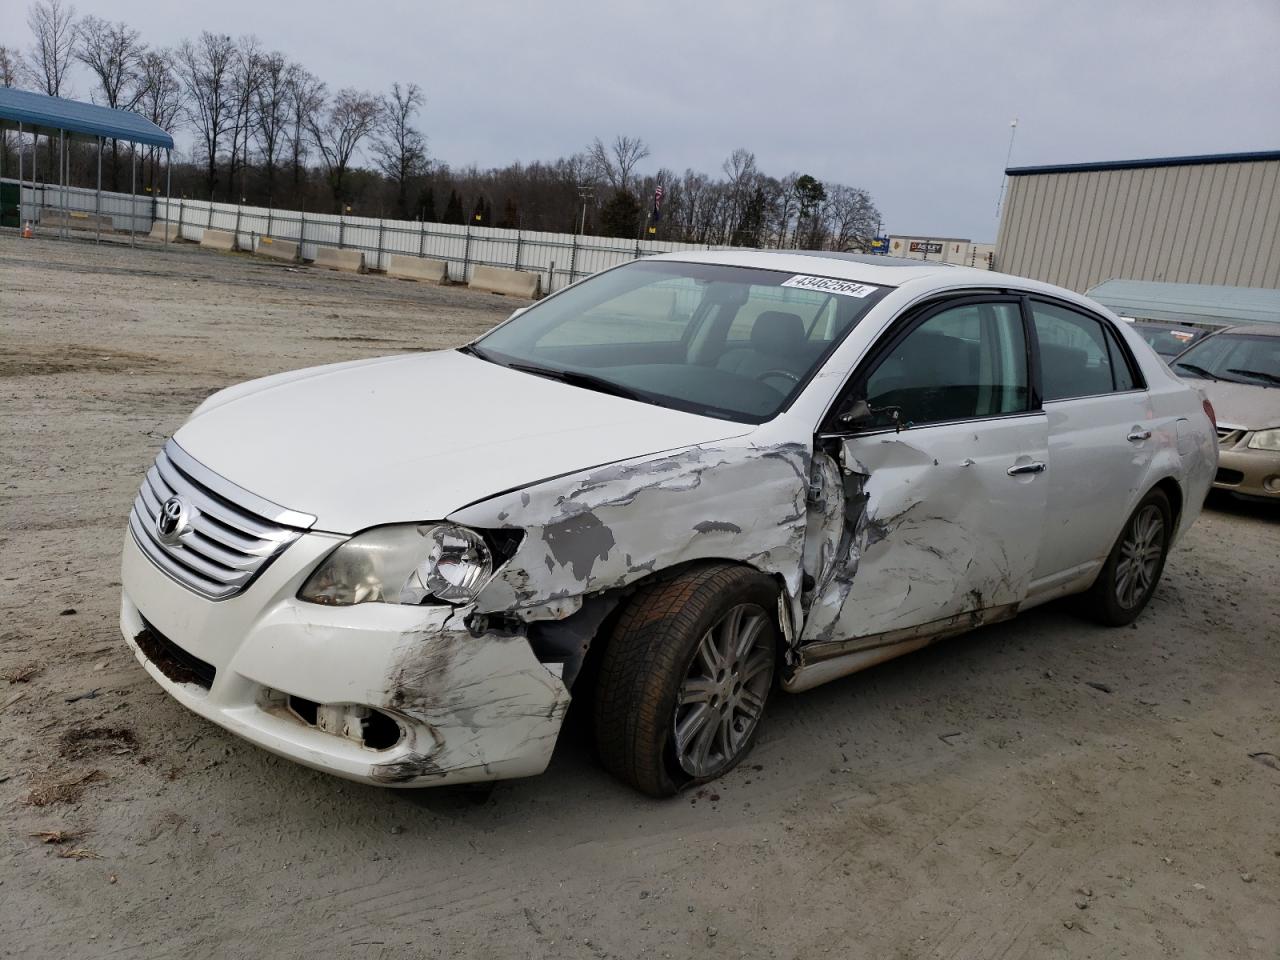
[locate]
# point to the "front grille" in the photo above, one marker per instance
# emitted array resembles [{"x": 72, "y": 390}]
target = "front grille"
[
  {"x": 226, "y": 535},
  {"x": 1229, "y": 436}
]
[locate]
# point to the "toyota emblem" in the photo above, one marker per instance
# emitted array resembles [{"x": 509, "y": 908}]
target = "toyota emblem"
[{"x": 172, "y": 521}]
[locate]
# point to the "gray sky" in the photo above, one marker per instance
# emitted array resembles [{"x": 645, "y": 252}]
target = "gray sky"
[{"x": 910, "y": 100}]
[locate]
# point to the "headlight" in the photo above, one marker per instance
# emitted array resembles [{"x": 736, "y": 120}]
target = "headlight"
[
  {"x": 1265, "y": 440},
  {"x": 403, "y": 564}
]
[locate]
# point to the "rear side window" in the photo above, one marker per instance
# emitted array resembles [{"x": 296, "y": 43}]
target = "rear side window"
[{"x": 1077, "y": 356}]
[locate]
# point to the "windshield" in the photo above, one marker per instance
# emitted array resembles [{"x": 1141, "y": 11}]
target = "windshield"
[
  {"x": 1235, "y": 357},
  {"x": 1166, "y": 341},
  {"x": 728, "y": 342}
]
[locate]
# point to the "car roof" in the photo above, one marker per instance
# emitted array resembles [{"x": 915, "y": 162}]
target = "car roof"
[
  {"x": 1254, "y": 329},
  {"x": 864, "y": 268}
]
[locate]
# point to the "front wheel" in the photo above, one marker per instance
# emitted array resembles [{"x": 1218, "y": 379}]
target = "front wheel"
[
  {"x": 685, "y": 678},
  {"x": 1129, "y": 577}
]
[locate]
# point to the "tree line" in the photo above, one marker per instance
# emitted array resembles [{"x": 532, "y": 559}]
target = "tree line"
[{"x": 266, "y": 131}]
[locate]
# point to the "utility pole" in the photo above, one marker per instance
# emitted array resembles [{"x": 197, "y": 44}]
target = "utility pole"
[{"x": 1004, "y": 180}]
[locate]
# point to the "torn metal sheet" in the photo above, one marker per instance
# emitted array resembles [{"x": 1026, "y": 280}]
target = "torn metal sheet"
[{"x": 606, "y": 528}]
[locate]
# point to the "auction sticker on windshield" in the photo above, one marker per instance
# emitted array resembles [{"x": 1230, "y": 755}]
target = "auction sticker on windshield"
[{"x": 845, "y": 288}]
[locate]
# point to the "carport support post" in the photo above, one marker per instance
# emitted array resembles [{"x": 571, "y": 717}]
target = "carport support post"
[
  {"x": 97, "y": 199},
  {"x": 133, "y": 192},
  {"x": 62, "y": 189},
  {"x": 22, "y": 203},
  {"x": 168, "y": 195}
]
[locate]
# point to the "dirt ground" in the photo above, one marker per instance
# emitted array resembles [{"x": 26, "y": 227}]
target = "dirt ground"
[{"x": 1040, "y": 788}]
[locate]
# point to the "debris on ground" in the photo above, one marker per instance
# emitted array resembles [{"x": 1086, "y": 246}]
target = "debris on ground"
[
  {"x": 21, "y": 674},
  {"x": 57, "y": 836},
  {"x": 92, "y": 694},
  {"x": 65, "y": 791},
  {"x": 78, "y": 853},
  {"x": 82, "y": 741}
]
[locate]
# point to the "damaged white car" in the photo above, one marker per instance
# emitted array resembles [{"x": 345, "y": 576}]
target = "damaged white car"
[{"x": 671, "y": 490}]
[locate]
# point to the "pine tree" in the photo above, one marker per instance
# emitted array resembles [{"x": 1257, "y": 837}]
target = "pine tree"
[
  {"x": 427, "y": 205},
  {"x": 620, "y": 216},
  {"x": 453, "y": 209}
]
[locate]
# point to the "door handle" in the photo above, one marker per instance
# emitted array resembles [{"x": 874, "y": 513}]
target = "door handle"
[
  {"x": 1035, "y": 466},
  {"x": 1138, "y": 434}
]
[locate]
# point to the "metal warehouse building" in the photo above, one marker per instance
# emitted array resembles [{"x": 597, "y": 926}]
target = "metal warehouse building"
[{"x": 1208, "y": 219}]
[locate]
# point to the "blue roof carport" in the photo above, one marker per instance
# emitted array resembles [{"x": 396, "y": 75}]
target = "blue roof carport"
[
  {"x": 1196, "y": 303},
  {"x": 35, "y": 112}
]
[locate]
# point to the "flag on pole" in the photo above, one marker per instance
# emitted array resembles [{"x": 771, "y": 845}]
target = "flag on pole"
[{"x": 657, "y": 204}]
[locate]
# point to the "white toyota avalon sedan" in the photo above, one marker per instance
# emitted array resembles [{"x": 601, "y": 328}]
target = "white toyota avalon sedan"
[{"x": 672, "y": 490}]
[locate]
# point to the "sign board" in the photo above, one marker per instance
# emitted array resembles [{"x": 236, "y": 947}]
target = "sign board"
[
  {"x": 880, "y": 245},
  {"x": 925, "y": 246}
]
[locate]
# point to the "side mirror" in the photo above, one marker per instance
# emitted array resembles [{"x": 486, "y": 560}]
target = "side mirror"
[
  {"x": 861, "y": 415},
  {"x": 858, "y": 415}
]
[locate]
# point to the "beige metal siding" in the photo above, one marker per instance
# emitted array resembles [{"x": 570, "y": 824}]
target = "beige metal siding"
[{"x": 1213, "y": 223}]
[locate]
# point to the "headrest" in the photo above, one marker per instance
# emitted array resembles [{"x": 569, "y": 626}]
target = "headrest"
[{"x": 776, "y": 332}]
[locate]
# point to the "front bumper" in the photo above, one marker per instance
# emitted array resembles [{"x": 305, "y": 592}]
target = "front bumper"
[
  {"x": 469, "y": 706},
  {"x": 1254, "y": 473}
]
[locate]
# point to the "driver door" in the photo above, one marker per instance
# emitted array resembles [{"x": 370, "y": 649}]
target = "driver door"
[{"x": 942, "y": 486}]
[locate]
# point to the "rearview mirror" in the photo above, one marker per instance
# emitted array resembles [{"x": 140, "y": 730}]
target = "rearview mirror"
[{"x": 858, "y": 415}]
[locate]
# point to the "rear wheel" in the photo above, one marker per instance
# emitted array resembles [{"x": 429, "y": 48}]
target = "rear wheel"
[
  {"x": 1129, "y": 577},
  {"x": 685, "y": 678}
]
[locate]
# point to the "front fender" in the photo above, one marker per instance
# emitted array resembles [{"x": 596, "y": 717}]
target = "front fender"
[{"x": 607, "y": 527}]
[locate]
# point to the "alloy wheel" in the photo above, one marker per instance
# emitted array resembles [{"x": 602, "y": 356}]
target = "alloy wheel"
[
  {"x": 724, "y": 692},
  {"x": 1140, "y": 554}
]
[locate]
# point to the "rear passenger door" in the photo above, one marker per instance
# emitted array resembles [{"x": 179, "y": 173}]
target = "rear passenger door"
[
  {"x": 943, "y": 481},
  {"x": 1100, "y": 445}
]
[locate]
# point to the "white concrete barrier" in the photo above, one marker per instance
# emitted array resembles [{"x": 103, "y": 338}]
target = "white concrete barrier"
[
  {"x": 75, "y": 220},
  {"x": 512, "y": 283},
  {"x": 218, "y": 240},
  {"x": 335, "y": 259},
  {"x": 159, "y": 228},
  {"x": 417, "y": 268},
  {"x": 277, "y": 249}
]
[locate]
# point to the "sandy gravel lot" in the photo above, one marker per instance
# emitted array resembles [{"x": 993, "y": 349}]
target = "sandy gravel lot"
[{"x": 1040, "y": 788}]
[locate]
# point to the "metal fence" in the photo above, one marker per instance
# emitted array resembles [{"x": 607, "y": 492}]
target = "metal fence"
[
  {"x": 126, "y": 211},
  {"x": 560, "y": 258}
]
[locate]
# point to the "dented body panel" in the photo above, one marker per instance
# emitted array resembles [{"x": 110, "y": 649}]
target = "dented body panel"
[{"x": 879, "y": 542}]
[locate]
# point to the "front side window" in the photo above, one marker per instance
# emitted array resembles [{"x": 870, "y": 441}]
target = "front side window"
[
  {"x": 966, "y": 362},
  {"x": 723, "y": 341},
  {"x": 1077, "y": 358},
  {"x": 1234, "y": 357}
]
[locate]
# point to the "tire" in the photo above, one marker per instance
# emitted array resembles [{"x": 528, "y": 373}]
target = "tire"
[
  {"x": 1124, "y": 586},
  {"x": 656, "y": 674}
]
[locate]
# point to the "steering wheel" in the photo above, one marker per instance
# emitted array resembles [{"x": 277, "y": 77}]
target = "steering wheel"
[{"x": 778, "y": 373}]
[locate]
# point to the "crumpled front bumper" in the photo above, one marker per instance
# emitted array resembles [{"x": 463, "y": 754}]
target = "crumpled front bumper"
[
  {"x": 470, "y": 706},
  {"x": 1254, "y": 473}
]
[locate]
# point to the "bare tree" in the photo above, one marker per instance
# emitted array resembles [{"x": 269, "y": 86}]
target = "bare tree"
[
  {"x": 851, "y": 218},
  {"x": 160, "y": 98},
  {"x": 11, "y": 66},
  {"x": 615, "y": 163},
  {"x": 246, "y": 74},
  {"x": 53, "y": 25},
  {"x": 740, "y": 169},
  {"x": 271, "y": 114},
  {"x": 306, "y": 102},
  {"x": 113, "y": 53},
  {"x": 351, "y": 117},
  {"x": 205, "y": 68},
  {"x": 400, "y": 150}
]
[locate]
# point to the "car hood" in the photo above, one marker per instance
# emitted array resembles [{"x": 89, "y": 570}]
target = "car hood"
[
  {"x": 1241, "y": 404},
  {"x": 418, "y": 436}
]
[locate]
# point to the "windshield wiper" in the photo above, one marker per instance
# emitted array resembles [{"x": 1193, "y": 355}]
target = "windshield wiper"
[
  {"x": 1260, "y": 374},
  {"x": 575, "y": 378},
  {"x": 472, "y": 350},
  {"x": 1198, "y": 371}
]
